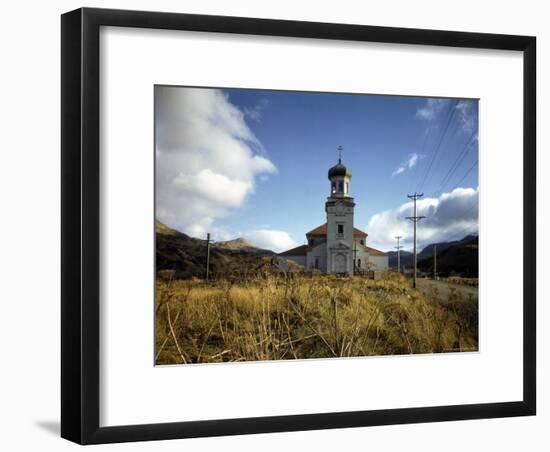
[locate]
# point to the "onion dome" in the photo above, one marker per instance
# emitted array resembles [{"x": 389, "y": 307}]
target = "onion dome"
[{"x": 339, "y": 170}]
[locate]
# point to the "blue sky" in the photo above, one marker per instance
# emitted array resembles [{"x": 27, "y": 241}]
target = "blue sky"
[{"x": 394, "y": 145}]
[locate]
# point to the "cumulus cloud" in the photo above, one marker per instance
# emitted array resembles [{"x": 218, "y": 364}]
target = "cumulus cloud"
[
  {"x": 408, "y": 164},
  {"x": 431, "y": 109},
  {"x": 207, "y": 159},
  {"x": 448, "y": 217},
  {"x": 270, "y": 239}
]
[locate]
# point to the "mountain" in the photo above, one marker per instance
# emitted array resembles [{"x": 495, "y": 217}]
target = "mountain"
[
  {"x": 406, "y": 258},
  {"x": 186, "y": 256},
  {"x": 459, "y": 256},
  {"x": 428, "y": 250},
  {"x": 161, "y": 228},
  {"x": 242, "y": 244}
]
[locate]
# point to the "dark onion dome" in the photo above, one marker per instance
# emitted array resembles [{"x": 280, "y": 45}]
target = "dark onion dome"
[{"x": 339, "y": 170}]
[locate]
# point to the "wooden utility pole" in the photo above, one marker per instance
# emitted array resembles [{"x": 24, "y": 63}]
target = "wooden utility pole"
[
  {"x": 354, "y": 256},
  {"x": 415, "y": 218},
  {"x": 207, "y": 256},
  {"x": 398, "y": 237},
  {"x": 435, "y": 261}
]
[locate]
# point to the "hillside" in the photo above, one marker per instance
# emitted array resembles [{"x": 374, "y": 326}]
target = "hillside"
[
  {"x": 406, "y": 258},
  {"x": 459, "y": 256},
  {"x": 241, "y": 244},
  {"x": 187, "y": 255},
  {"x": 428, "y": 250}
]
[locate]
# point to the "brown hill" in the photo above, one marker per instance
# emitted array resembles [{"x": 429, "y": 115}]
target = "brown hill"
[
  {"x": 242, "y": 244},
  {"x": 186, "y": 256},
  {"x": 161, "y": 228}
]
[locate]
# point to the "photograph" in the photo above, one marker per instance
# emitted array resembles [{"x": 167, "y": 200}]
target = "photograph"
[
  {"x": 261, "y": 226},
  {"x": 296, "y": 225}
]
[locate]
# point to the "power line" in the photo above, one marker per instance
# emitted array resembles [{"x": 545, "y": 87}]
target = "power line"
[
  {"x": 427, "y": 134},
  {"x": 456, "y": 164},
  {"x": 465, "y": 175},
  {"x": 438, "y": 146}
]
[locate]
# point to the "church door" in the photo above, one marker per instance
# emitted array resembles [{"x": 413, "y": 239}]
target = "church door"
[{"x": 340, "y": 264}]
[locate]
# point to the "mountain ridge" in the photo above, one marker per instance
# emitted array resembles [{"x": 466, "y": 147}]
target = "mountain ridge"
[
  {"x": 185, "y": 256},
  {"x": 460, "y": 262}
]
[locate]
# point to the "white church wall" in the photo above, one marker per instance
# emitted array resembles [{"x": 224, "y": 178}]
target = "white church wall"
[
  {"x": 319, "y": 252},
  {"x": 339, "y": 215},
  {"x": 361, "y": 255},
  {"x": 334, "y": 264},
  {"x": 379, "y": 263},
  {"x": 332, "y": 227}
]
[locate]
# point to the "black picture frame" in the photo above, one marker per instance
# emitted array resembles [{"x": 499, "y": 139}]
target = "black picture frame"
[{"x": 80, "y": 188}]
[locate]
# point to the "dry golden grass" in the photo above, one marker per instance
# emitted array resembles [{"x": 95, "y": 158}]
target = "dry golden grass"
[
  {"x": 472, "y": 282},
  {"x": 271, "y": 318}
]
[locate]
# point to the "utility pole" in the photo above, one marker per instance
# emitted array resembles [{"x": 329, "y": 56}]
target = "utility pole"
[
  {"x": 207, "y": 255},
  {"x": 354, "y": 256},
  {"x": 435, "y": 261},
  {"x": 415, "y": 218},
  {"x": 398, "y": 237}
]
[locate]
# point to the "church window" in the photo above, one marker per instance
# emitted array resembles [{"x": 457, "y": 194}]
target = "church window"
[
  {"x": 359, "y": 263},
  {"x": 340, "y": 229},
  {"x": 340, "y": 187},
  {"x": 347, "y": 188},
  {"x": 362, "y": 242},
  {"x": 334, "y": 187}
]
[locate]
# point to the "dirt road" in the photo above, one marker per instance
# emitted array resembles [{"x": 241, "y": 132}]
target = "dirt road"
[{"x": 445, "y": 292}]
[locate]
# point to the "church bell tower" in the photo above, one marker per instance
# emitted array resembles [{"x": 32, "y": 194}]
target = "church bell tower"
[{"x": 339, "y": 209}]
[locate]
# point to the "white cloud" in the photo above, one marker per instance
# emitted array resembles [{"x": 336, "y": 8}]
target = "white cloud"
[
  {"x": 413, "y": 159},
  {"x": 408, "y": 164},
  {"x": 449, "y": 217},
  {"x": 256, "y": 111},
  {"x": 207, "y": 159},
  {"x": 466, "y": 115},
  {"x": 214, "y": 187},
  {"x": 399, "y": 170},
  {"x": 270, "y": 239},
  {"x": 431, "y": 109}
]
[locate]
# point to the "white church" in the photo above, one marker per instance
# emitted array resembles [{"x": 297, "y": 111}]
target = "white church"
[{"x": 336, "y": 246}]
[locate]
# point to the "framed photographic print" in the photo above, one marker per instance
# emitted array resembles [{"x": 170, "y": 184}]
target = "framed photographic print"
[{"x": 274, "y": 225}]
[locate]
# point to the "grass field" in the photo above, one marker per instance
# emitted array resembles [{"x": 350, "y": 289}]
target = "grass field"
[{"x": 321, "y": 316}]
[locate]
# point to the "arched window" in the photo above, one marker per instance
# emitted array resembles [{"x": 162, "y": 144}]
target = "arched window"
[
  {"x": 347, "y": 188},
  {"x": 334, "y": 187},
  {"x": 340, "y": 186},
  {"x": 359, "y": 263}
]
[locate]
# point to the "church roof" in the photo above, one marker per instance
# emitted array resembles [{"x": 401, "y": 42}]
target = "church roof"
[
  {"x": 339, "y": 170},
  {"x": 321, "y": 231},
  {"x": 375, "y": 252},
  {"x": 298, "y": 251}
]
